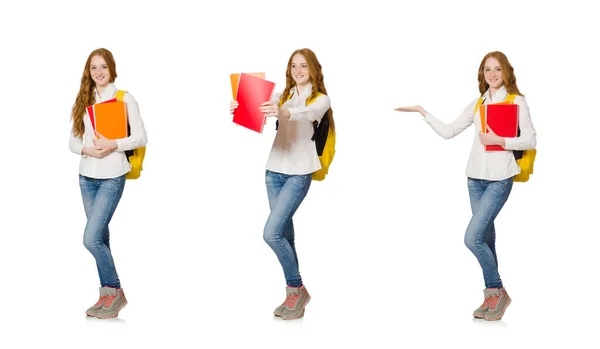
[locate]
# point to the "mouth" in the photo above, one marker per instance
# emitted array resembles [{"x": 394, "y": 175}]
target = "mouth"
[
  {"x": 493, "y": 80},
  {"x": 298, "y": 77},
  {"x": 100, "y": 78}
]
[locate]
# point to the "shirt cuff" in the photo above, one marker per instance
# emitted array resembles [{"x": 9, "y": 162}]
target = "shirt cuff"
[{"x": 509, "y": 143}]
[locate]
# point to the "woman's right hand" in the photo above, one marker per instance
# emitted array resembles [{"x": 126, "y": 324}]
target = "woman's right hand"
[
  {"x": 413, "y": 108},
  {"x": 96, "y": 152},
  {"x": 233, "y": 105}
]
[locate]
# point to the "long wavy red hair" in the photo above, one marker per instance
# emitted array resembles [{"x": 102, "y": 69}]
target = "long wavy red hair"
[
  {"x": 85, "y": 97},
  {"x": 508, "y": 73},
  {"x": 316, "y": 77}
]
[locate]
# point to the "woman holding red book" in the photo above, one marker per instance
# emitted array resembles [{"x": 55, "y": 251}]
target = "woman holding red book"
[
  {"x": 489, "y": 174},
  {"x": 102, "y": 171},
  {"x": 290, "y": 166}
]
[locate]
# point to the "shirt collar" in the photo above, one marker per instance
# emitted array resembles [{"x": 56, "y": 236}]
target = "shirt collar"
[
  {"x": 305, "y": 92},
  {"x": 499, "y": 96},
  {"x": 109, "y": 92}
]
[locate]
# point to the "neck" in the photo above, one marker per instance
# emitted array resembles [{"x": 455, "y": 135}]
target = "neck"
[
  {"x": 493, "y": 91},
  {"x": 100, "y": 89},
  {"x": 301, "y": 87}
]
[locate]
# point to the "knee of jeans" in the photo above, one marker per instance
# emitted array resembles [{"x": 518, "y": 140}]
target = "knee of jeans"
[
  {"x": 270, "y": 235},
  {"x": 91, "y": 242},
  {"x": 472, "y": 243}
]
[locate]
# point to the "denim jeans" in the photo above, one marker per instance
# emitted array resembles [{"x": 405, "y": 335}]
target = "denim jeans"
[
  {"x": 487, "y": 198},
  {"x": 100, "y": 199},
  {"x": 286, "y": 193}
]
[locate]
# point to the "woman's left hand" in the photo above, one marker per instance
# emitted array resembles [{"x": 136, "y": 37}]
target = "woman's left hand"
[
  {"x": 491, "y": 138},
  {"x": 105, "y": 143},
  {"x": 271, "y": 109}
]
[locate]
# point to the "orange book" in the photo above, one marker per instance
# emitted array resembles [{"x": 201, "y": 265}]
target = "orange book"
[
  {"x": 235, "y": 82},
  {"x": 111, "y": 119},
  {"x": 90, "y": 111}
]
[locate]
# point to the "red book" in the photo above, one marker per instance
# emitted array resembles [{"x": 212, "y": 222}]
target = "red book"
[
  {"x": 504, "y": 120},
  {"x": 251, "y": 93},
  {"x": 90, "y": 111}
]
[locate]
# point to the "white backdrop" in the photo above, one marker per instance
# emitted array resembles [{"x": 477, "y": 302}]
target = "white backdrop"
[{"x": 380, "y": 241}]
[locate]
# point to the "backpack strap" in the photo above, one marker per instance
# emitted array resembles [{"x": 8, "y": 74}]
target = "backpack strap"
[
  {"x": 479, "y": 102},
  {"x": 120, "y": 94},
  {"x": 511, "y": 98}
]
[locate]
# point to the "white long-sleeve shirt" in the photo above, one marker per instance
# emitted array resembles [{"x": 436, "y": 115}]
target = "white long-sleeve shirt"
[
  {"x": 493, "y": 165},
  {"x": 114, "y": 164},
  {"x": 293, "y": 151}
]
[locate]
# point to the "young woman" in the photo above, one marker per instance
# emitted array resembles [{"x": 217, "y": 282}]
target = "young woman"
[
  {"x": 292, "y": 161},
  {"x": 489, "y": 174},
  {"x": 102, "y": 170}
]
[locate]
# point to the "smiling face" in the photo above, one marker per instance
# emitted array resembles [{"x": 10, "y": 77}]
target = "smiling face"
[
  {"x": 99, "y": 71},
  {"x": 492, "y": 73},
  {"x": 299, "y": 70}
]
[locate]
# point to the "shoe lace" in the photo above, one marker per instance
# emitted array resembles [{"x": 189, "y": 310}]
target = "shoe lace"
[
  {"x": 101, "y": 300},
  {"x": 109, "y": 301},
  {"x": 290, "y": 300},
  {"x": 494, "y": 301},
  {"x": 486, "y": 302}
]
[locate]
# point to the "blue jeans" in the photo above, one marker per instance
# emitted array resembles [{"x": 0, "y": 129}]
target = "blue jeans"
[
  {"x": 100, "y": 199},
  {"x": 487, "y": 198},
  {"x": 286, "y": 193}
]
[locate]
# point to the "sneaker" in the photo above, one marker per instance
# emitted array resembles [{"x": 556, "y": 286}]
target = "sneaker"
[
  {"x": 498, "y": 303},
  {"x": 487, "y": 297},
  {"x": 93, "y": 310},
  {"x": 114, "y": 302},
  {"x": 279, "y": 310},
  {"x": 297, "y": 298}
]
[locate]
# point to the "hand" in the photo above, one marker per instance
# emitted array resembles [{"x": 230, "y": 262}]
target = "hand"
[
  {"x": 233, "y": 105},
  {"x": 413, "y": 108},
  {"x": 104, "y": 143},
  {"x": 491, "y": 138},
  {"x": 273, "y": 110},
  {"x": 96, "y": 152}
]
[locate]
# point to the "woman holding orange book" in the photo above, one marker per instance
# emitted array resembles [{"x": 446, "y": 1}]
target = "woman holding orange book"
[
  {"x": 290, "y": 166},
  {"x": 102, "y": 171},
  {"x": 489, "y": 174}
]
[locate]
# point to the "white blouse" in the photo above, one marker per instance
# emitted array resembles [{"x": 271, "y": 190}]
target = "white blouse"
[
  {"x": 494, "y": 165},
  {"x": 293, "y": 151},
  {"x": 114, "y": 164}
]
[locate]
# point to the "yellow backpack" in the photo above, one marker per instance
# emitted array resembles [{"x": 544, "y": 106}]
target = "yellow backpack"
[
  {"x": 524, "y": 158},
  {"x": 324, "y": 138},
  {"x": 135, "y": 156}
]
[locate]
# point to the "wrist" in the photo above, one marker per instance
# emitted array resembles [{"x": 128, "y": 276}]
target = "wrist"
[{"x": 284, "y": 113}]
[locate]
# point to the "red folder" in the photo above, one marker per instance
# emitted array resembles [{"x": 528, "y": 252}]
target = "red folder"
[
  {"x": 504, "y": 120},
  {"x": 251, "y": 93},
  {"x": 90, "y": 111},
  {"x": 235, "y": 80}
]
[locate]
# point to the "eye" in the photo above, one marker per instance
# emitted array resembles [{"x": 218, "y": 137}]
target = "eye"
[{"x": 93, "y": 68}]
